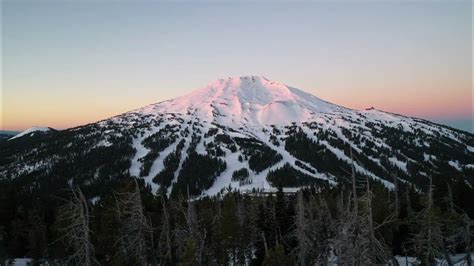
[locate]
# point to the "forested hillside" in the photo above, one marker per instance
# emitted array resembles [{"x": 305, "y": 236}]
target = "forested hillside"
[{"x": 131, "y": 226}]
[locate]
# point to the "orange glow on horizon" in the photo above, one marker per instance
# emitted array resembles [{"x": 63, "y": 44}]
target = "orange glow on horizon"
[{"x": 64, "y": 115}]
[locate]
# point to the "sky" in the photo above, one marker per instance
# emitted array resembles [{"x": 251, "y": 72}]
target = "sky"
[{"x": 68, "y": 63}]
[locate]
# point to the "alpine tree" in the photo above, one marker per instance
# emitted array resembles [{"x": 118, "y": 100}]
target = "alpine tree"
[
  {"x": 302, "y": 232},
  {"x": 134, "y": 228},
  {"x": 428, "y": 241},
  {"x": 165, "y": 241},
  {"x": 74, "y": 216}
]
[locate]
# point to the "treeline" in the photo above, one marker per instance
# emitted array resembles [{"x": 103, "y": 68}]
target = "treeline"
[{"x": 357, "y": 225}]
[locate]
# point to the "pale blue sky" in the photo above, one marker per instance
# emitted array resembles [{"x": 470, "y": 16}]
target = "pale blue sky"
[{"x": 67, "y": 63}]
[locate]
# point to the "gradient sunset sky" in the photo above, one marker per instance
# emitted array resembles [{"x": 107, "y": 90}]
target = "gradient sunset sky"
[{"x": 67, "y": 63}]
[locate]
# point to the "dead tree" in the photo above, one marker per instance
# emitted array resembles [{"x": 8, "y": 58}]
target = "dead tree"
[
  {"x": 191, "y": 230},
  {"x": 321, "y": 221},
  {"x": 351, "y": 242},
  {"x": 356, "y": 241},
  {"x": 378, "y": 251},
  {"x": 134, "y": 228},
  {"x": 428, "y": 241},
  {"x": 74, "y": 215},
  {"x": 457, "y": 230},
  {"x": 165, "y": 236}
]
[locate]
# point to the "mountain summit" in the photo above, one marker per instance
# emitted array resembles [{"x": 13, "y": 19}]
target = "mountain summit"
[
  {"x": 241, "y": 133},
  {"x": 248, "y": 100}
]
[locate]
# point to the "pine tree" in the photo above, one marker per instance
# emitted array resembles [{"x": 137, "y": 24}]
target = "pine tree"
[
  {"x": 303, "y": 232},
  {"x": 37, "y": 237},
  {"x": 230, "y": 229},
  {"x": 165, "y": 249},
  {"x": 217, "y": 249},
  {"x": 282, "y": 216},
  {"x": 190, "y": 255}
]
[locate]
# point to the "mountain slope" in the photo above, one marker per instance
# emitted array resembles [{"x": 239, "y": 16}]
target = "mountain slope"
[
  {"x": 31, "y": 131},
  {"x": 5, "y": 135},
  {"x": 243, "y": 133}
]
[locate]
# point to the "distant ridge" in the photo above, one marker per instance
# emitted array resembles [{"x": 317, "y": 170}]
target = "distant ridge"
[{"x": 31, "y": 131}]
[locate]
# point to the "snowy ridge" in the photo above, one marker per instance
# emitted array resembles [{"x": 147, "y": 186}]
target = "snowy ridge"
[{"x": 31, "y": 131}]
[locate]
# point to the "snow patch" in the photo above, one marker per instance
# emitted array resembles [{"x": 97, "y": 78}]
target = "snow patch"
[
  {"x": 399, "y": 164},
  {"x": 94, "y": 200},
  {"x": 455, "y": 164}
]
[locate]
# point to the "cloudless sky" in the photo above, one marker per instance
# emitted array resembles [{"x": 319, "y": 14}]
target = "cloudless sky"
[{"x": 67, "y": 63}]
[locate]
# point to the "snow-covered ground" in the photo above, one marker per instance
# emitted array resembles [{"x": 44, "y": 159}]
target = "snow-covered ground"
[
  {"x": 457, "y": 260},
  {"x": 19, "y": 262}
]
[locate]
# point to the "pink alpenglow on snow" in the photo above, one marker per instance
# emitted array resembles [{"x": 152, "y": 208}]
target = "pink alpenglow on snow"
[{"x": 249, "y": 100}]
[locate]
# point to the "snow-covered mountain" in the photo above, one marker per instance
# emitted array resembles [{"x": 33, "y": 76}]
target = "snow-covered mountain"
[
  {"x": 252, "y": 102},
  {"x": 31, "y": 131},
  {"x": 243, "y": 133}
]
